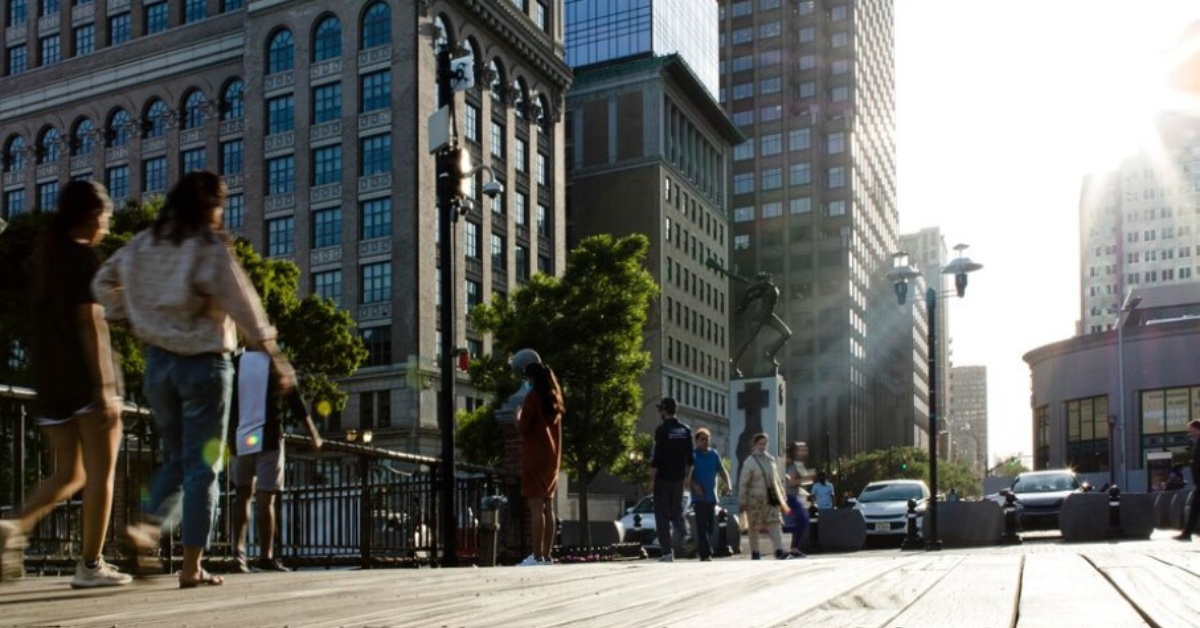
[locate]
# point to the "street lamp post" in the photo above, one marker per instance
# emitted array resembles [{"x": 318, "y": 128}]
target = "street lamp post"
[
  {"x": 1119, "y": 444},
  {"x": 900, "y": 274}
]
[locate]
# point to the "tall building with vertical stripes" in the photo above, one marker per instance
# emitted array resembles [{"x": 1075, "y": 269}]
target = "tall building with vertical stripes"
[{"x": 812, "y": 85}]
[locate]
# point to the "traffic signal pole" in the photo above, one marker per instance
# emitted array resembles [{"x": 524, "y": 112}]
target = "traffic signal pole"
[{"x": 447, "y": 182}]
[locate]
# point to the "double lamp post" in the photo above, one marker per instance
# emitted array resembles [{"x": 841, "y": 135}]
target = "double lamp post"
[{"x": 900, "y": 274}]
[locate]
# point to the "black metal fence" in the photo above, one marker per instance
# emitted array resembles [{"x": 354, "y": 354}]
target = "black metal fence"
[{"x": 350, "y": 505}]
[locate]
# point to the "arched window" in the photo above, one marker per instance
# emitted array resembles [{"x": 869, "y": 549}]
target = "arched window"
[
  {"x": 14, "y": 154},
  {"x": 83, "y": 138},
  {"x": 544, "y": 119},
  {"x": 156, "y": 119},
  {"x": 377, "y": 26},
  {"x": 233, "y": 102},
  {"x": 118, "y": 128},
  {"x": 281, "y": 53},
  {"x": 193, "y": 110},
  {"x": 496, "y": 85},
  {"x": 473, "y": 46},
  {"x": 49, "y": 146},
  {"x": 519, "y": 96},
  {"x": 327, "y": 41}
]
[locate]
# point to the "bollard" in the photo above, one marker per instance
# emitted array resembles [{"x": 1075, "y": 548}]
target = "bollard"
[
  {"x": 637, "y": 529},
  {"x": 1114, "y": 512},
  {"x": 489, "y": 527},
  {"x": 721, "y": 548},
  {"x": 1010, "y": 536},
  {"x": 912, "y": 540},
  {"x": 814, "y": 527}
]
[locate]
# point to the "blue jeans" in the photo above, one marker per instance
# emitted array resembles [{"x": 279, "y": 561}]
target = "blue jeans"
[
  {"x": 190, "y": 398},
  {"x": 799, "y": 518}
]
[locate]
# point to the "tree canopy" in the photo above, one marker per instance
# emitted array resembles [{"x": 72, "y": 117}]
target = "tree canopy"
[
  {"x": 588, "y": 326},
  {"x": 905, "y": 463}
]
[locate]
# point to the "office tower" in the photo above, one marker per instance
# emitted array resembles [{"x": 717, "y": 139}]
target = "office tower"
[
  {"x": 968, "y": 422},
  {"x": 814, "y": 201},
  {"x": 928, "y": 254},
  {"x": 1137, "y": 226},
  {"x": 597, "y": 32},
  {"x": 649, "y": 153},
  {"x": 316, "y": 114}
]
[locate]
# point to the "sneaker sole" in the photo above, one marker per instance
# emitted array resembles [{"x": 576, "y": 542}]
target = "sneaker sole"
[{"x": 97, "y": 585}]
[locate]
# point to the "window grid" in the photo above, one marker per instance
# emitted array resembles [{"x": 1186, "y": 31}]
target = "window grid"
[
  {"x": 281, "y": 175},
  {"x": 376, "y": 218},
  {"x": 376, "y": 154},
  {"x": 327, "y": 103},
  {"x": 281, "y": 236},
  {"x": 327, "y": 165},
  {"x": 376, "y": 282},
  {"x": 327, "y": 227}
]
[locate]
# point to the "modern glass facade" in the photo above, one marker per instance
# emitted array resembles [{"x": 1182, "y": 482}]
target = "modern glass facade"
[{"x": 604, "y": 30}]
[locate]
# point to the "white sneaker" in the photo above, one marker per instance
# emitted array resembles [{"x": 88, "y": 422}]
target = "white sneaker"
[
  {"x": 530, "y": 561},
  {"x": 12, "y": 551},
  {"x": 546, "y": 561},
  {"x": 667, "y": 558},
  {"x": 102, "y": 575}
]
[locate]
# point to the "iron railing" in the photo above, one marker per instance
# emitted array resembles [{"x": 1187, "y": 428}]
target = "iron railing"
[{"x": 350, "y": 505}]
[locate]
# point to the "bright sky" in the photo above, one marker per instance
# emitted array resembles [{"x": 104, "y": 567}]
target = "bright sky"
[{"x": 1002, "y": 107}]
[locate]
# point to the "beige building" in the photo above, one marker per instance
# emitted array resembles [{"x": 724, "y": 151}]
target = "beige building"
[
  {"x": 967, "y": 422},
  {"x": 316, "y": 114}
]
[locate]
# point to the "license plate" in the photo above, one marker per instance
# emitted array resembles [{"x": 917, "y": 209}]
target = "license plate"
[{"x": 883, "y": 527}]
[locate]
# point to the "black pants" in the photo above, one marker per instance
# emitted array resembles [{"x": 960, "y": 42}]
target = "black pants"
[
  {"x": 705, "y": 519},
  {"x": 1193, "y": 513},
  {"x": 668, "y": 515}
]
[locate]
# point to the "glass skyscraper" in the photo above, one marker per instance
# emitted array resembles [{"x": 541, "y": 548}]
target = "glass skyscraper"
[{"x": 604, "y": 30}]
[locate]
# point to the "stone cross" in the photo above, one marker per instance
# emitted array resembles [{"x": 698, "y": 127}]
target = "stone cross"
[{"x": 753, "y": 400}]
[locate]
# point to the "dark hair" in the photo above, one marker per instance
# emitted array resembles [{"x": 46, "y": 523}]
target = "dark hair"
[
  {"x": 545, "y": 384},
  {"x": 78, "y": 202},
  {"x": 1194, "y": 423},
  {"x": 791, "y": 450},
  {"x": 186, "y": 211}
]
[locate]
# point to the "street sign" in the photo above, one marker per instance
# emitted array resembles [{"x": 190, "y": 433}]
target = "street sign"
[
  {"x": 439, "y": 129},
  {"x": 462, "y": 73}
]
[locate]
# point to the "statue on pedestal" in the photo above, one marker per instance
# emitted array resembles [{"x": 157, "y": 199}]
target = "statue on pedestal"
[{"x": 759, "y": 302}]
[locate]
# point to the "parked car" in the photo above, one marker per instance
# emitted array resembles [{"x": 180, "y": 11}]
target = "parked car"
[
  {"x": 884, "y": 505},
  {"x": 644, "y": 508},
  {"x": 1040, "y": 495}
]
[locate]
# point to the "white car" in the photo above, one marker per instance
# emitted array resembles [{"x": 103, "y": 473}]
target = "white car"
[
  {"x": 884, "y": 505},
  {"x": 643, "y": 510},
  {"x": 1040, "y": 495}
]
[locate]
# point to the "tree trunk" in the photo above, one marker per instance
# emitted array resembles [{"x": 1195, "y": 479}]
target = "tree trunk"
[{"x": 585, "y": 528}]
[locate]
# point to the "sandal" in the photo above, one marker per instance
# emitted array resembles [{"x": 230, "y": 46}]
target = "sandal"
[{"x": 203, "y": 578}]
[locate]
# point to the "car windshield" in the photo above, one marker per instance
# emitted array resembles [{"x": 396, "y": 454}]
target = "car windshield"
[
  {"x": 891, "y": 493},
  {"x": 1049, "y": 483},
  {"x": 645, "y": 506}
]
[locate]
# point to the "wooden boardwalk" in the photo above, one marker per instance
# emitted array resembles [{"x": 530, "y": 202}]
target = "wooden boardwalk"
[{"x": 1044, "y": 584}]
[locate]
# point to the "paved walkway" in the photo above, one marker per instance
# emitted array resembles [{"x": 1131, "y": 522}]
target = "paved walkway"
[{"x": 1043, "y": 584}]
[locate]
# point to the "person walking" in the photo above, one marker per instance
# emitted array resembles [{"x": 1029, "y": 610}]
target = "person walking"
[
  {"x": 183, "y": 293},
  {"x": 256, "y": 435},
  {"x": 758, "y": 494},
  {"x": 670, "y": 464},
  {"x": 540, "y": 427},
  {"x": 707, "y": 467},
  {"x": 797, "y": 496},
  {"x": 78, "y": 404},
  {"x": 1194, "y": 502}
]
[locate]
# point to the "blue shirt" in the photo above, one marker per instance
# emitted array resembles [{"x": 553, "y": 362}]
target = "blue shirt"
[{"x": 704, "y": 473}]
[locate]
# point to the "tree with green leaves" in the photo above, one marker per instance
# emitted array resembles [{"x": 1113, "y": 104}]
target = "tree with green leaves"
[
  {"x": 588, "y": 326},
  {"x": 905, "y": 463}
]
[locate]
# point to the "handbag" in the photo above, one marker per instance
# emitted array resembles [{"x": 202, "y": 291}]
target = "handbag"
[{"x": 772, "y": 498}]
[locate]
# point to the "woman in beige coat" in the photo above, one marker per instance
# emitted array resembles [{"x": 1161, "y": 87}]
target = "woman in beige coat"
[{"x": 758, "y": 479}]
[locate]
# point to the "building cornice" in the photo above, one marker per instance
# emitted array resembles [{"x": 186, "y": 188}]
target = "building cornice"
[{"x": 535, "y": 47}]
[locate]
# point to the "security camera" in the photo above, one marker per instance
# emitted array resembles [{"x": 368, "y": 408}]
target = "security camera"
[{"x": 492, "y": 189}]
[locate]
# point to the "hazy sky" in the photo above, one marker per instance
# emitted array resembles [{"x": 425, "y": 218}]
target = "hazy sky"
[{"x": 1002, "y": 107}]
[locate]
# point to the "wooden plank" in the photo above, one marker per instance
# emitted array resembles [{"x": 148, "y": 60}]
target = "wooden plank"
[
  {"x": 1187, "y": 561},
  {"x": 875, "y": 603},
  {"x": 1058, "y": 589},
  {"x": 980, "y": 592},
  {"x": 1161, "y": 592}
]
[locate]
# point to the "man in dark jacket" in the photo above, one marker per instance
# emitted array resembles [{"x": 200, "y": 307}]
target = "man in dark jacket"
[
  {"x": 1194, "y": 507},
  {"x": 670, "y": 464}
]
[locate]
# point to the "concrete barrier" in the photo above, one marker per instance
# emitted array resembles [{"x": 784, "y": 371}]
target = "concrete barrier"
[
  {"x": 1162, "y": 509},
  {"x": 1084, "y": 517},
  {"x": 842, "y": 530},
  {"x": 1138, "y": 516},
  {"x": 603, "y": 532},
  {"x": 968, "y": 524}
]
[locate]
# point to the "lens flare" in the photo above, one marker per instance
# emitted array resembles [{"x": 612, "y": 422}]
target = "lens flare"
[{"x": 213, "y": 450}]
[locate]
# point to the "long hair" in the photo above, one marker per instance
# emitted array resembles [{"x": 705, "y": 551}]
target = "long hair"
[
  {"x": 186, "y": 212},
  {"x": 78, "y": 203},
  {"x": 545, "y": 384}
]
